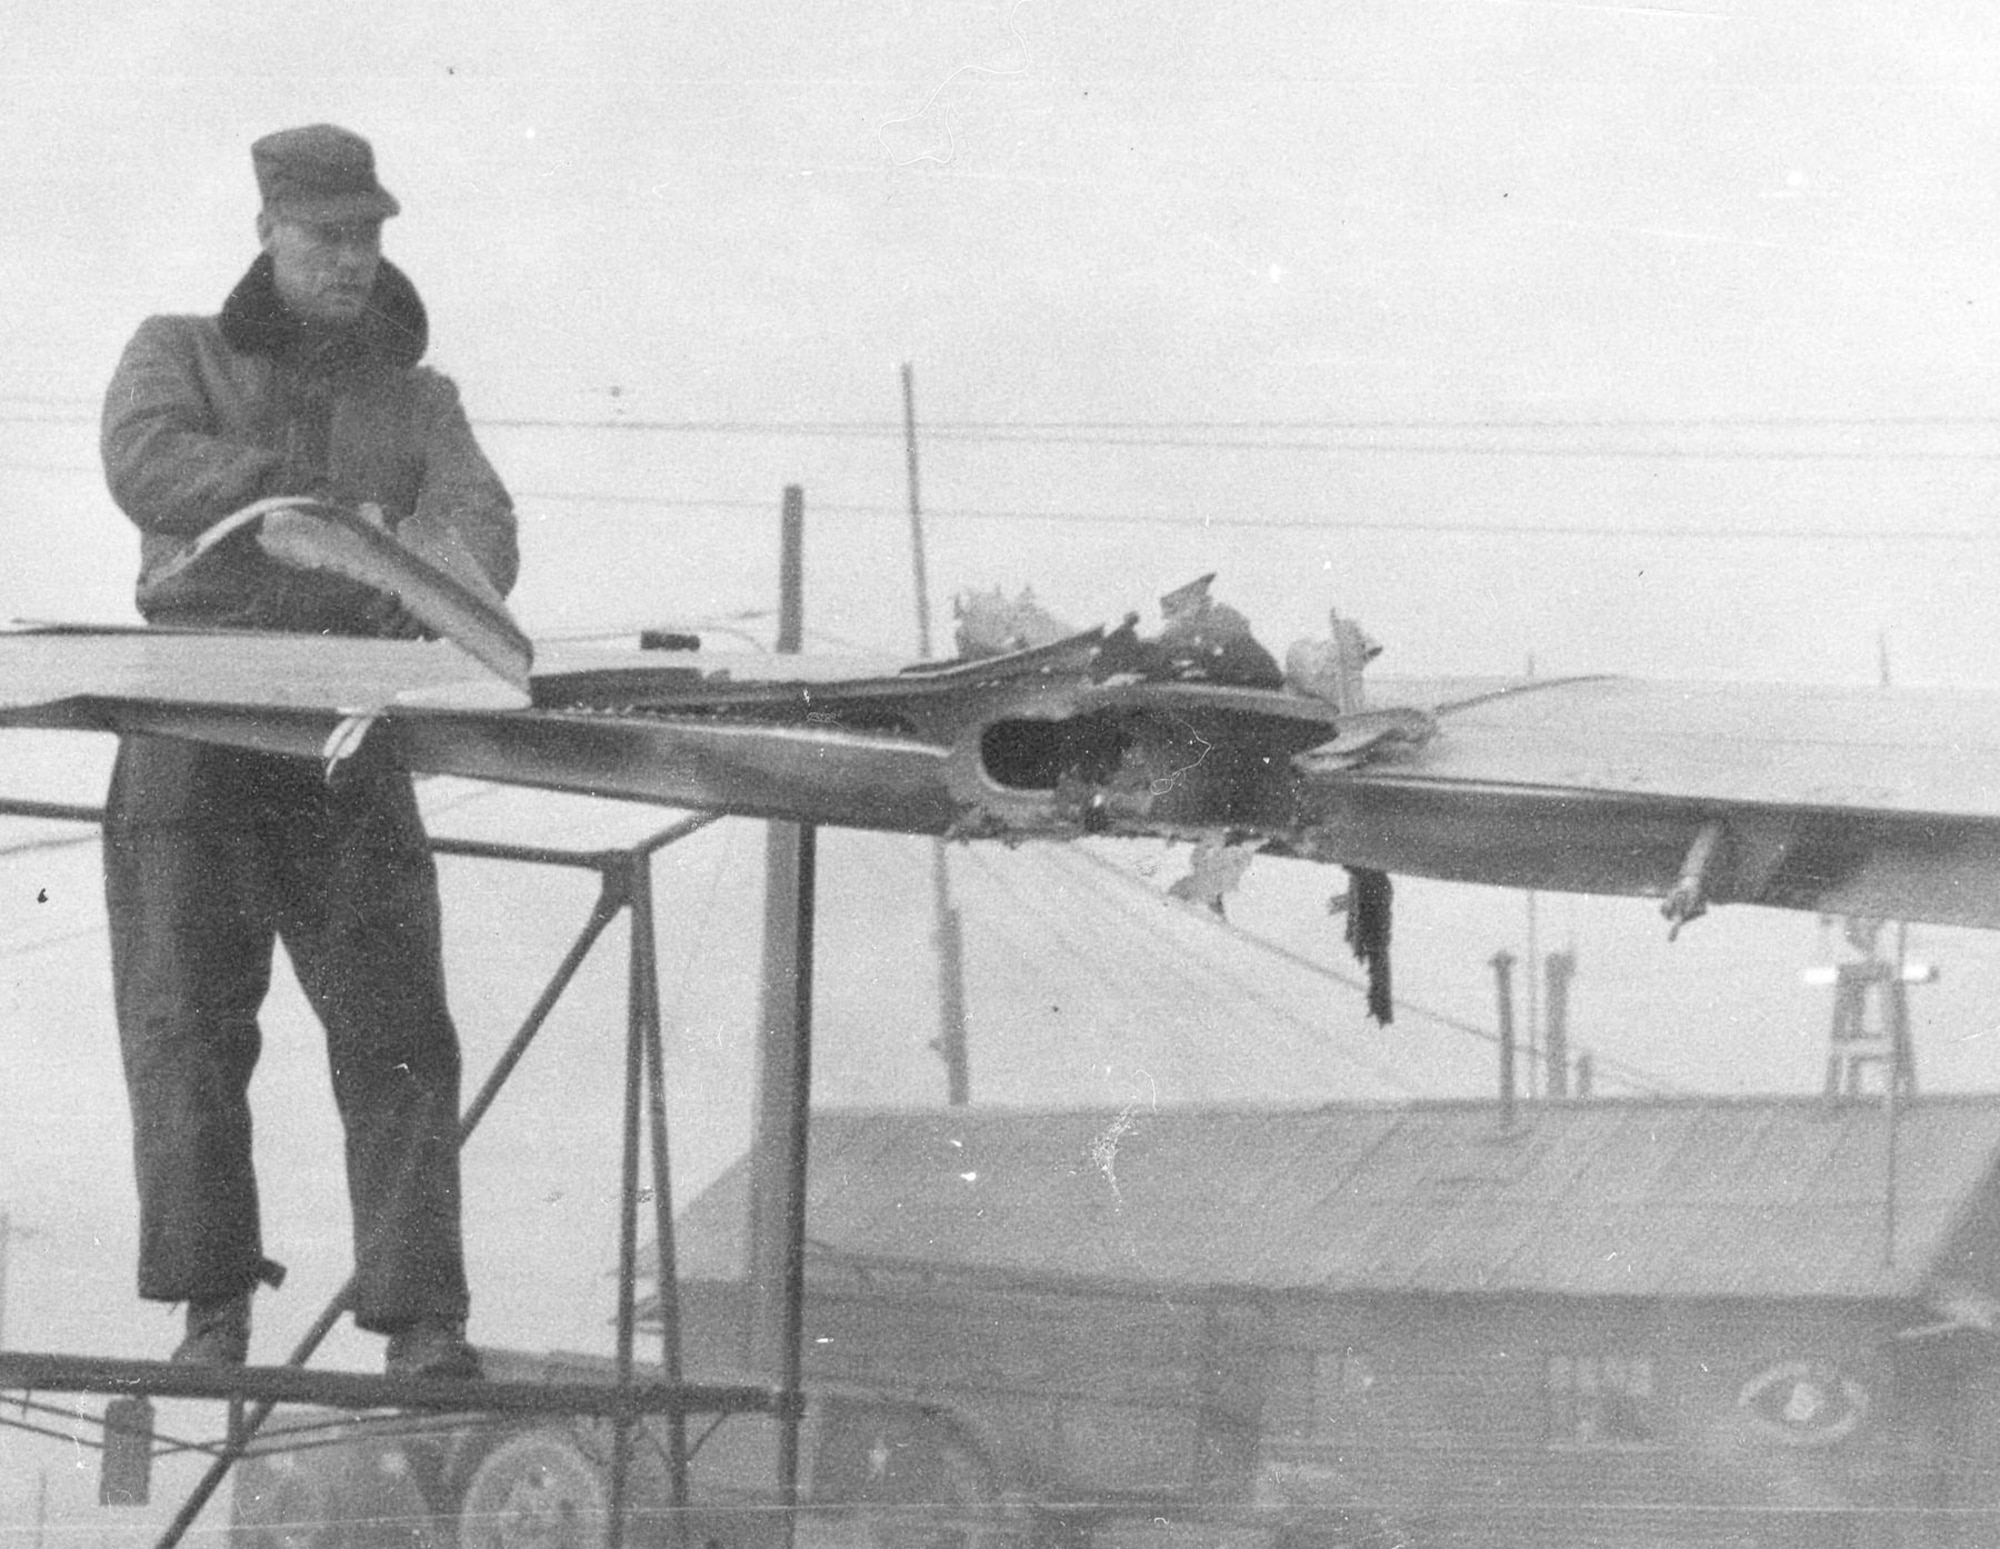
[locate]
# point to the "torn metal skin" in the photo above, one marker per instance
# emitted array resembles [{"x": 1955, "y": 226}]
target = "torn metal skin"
[{"x": 1840, "y": 801}]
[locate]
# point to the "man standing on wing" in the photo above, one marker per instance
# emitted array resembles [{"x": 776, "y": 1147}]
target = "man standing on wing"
[{"x": 307, "y": 383}]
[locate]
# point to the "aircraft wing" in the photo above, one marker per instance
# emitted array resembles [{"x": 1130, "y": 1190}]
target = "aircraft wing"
[
  {"x": 1876, "y": 802},
  {"x": 47, "y": 672},
  {"x": 1859, "y": 801}
]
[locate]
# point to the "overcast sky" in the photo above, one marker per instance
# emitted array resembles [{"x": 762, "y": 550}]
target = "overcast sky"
[
  {"x": 1592, "y": 281},
  {"x": 1652, "y": 338}
]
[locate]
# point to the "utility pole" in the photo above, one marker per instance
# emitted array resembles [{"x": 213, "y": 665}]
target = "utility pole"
[
  {"x": 1560, "y": 968},
  {"x": 1537, "y": 1034},
  {"x": 776, "y": 1268},
  {"x": 1502, "y": 963},
  {"x": 917, "y": 565},
  {"x": 950, "y": 932}
]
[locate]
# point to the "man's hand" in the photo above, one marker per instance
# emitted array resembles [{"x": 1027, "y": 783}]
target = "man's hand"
[
  {"x": 310, "y": 537},
  {"x": 426, "y": 580},
  {"x": 388, "y": 619}
]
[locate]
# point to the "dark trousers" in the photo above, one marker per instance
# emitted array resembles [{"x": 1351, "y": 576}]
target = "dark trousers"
[{"x": 210, "y": 856}]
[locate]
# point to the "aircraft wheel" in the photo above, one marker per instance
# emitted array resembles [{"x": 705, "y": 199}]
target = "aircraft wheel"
[
  {"x": 539, "y": 1490},
  {"x": 286, "y": 1501},
  {"x": 352, "y": 1497}
]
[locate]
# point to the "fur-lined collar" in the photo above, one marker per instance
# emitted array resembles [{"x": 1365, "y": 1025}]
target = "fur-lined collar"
[{"x": 393, "y": 331}]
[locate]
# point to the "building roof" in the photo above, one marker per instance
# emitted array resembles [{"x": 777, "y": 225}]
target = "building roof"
[{"x": 1777, "y": 1197}]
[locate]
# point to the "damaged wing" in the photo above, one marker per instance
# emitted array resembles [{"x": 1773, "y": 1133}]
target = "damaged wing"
[{"x": 1853, "y": 801}]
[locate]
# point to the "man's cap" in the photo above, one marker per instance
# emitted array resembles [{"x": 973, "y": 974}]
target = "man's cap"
[{"x": 320, "y": 173}]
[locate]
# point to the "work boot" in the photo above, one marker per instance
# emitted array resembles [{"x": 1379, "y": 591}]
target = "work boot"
[
  {"x": 432, "y": 1347},
  {"x": 218, "y": 1331}
]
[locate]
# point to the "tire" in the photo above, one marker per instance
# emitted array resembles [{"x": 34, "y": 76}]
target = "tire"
[
  {"x": 541, "y": 1489},
  {"x": 285, "y": 1501},
  {"x": 349, "y": 1497}
]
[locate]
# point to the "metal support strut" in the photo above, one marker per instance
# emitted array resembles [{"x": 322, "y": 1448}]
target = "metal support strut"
[
  {"x": 625, "y": 883},
  {"x": 625, "y": 878},
  {"x": 1689, "y": 898}
]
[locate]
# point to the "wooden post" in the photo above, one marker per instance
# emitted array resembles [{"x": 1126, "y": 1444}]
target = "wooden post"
[
  {"x": 776, "y": 1271},
  {"x": 922, "y": 574},
  {"x": 1561, "y": 968},
  {"x": 949, "y": 936},
  {"x": 1503, "y": 978},
  {"x": 950, "y": 941}
]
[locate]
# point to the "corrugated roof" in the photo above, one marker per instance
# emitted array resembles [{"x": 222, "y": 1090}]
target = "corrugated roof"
[{"x": 1691, "y": 1197}]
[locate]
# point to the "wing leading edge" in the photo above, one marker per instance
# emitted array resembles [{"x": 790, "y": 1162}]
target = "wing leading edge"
[{"x": 1851, "y": 801}]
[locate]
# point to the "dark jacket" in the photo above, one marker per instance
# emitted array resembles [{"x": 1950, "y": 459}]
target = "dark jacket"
[{"x": 207, "y": 414}]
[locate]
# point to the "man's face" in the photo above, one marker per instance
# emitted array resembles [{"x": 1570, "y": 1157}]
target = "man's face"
[{"x": 324, "y": 270}]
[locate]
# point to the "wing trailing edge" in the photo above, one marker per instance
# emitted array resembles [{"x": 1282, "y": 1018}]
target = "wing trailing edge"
[{"x": 1857, "y": 801}]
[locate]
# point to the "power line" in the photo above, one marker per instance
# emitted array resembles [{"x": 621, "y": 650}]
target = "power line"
[
  {"x": 1328, "y": 524},
  {"x": 16, "y": 949},
  {"x": 1229, "y": 432},
  {"x": 1394, "y": 438},
  {"x": 81, "y": 411},
  {"x": 1120, "y": 890},
  {"x": 1417, "y": 448},
  {"x": 1104, "y": 948},
  {"x": 1391, "y": 437},
  {"x": 53, "y": 842},
  {"x": 1634, "y": 1076},
  {"x": 1105, "y": 961}
]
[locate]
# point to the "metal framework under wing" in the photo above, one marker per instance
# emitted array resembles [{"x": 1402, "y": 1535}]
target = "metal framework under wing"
[{"x": 254, "y": 1393}]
